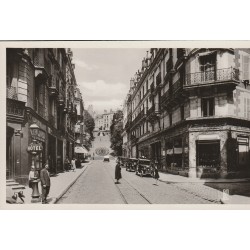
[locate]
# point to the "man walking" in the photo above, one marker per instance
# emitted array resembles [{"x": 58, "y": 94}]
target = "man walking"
[{"x": 45, "y": 183}]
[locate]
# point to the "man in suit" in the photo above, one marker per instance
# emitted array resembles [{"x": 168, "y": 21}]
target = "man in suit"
[{"x": 45, "y": 183}]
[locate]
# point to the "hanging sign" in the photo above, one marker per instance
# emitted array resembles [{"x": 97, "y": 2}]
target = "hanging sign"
[{"x": 35, "y": 147}]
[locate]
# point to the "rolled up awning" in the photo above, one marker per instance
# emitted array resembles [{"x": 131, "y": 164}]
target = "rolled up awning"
[
  {"x": 208, "y": 137},
  {"x": 207, "y": 53},
  {"x": 177, "y": 150},
  {"x": 81, "y": 150}
]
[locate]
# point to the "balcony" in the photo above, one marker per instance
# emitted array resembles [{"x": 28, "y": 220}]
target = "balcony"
[
  {"x": 53, "y": 86},
  {"x": 213, "y": 77},
  {"x": 61, "y": 100},
  {"x": 139, "y": 117},
  {"x": 153, "y": 113},
  {"x": 165, "y": 97},
  {"x": 41, "y": 63},
  {"x": 11, "y": 93}
]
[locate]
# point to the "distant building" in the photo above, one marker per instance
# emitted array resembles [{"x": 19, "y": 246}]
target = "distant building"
[{"x": 104, "y": 121}]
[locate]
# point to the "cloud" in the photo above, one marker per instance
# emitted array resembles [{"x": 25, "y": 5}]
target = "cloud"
[
  {"x": 84, "y": 65},
  {"x": 103, "y": 95}
]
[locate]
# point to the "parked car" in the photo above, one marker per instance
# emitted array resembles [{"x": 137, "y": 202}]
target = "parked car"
[
  {"x": 131, "y": 164},
  {"x": 106, "y": 158},
  {"x": 143, "y": 167}
]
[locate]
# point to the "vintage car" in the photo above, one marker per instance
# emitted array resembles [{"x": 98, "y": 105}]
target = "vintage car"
[
  {"x": 106, "y": 158},
  {"x": 131, "y": 164},
  {"x": 143, "y": 167}
]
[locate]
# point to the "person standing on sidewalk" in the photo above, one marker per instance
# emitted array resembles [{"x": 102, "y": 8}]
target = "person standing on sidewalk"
[
  {"x": 73, "y": 163},
  {"x": 67, "y": 164},
  {"x": 45, "y": 183},
  {"x": 156, "y": 173},
  {"x": 118, "y": 174}
]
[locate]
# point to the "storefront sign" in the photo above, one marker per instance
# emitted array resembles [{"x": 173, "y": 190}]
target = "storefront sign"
[{"x": 35, "y": 148}]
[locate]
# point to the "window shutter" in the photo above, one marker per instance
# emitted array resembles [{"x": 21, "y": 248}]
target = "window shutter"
[{"x": 245, "y": 67}]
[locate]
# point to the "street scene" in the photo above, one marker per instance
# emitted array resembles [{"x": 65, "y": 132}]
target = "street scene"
[{"x": 127, "y": 126}]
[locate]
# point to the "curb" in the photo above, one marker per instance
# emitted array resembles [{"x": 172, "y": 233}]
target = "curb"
[{"x": 55, "y": 200}]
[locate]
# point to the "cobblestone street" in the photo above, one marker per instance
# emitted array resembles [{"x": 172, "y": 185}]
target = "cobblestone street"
[{"x": 97, "y": 186}]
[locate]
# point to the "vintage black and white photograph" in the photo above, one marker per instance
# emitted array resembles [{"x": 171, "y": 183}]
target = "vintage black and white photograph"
[{"x": 135, "y": 125}]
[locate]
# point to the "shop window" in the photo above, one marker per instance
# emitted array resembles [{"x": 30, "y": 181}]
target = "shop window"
[
  {"x": 207, "y": 105},
  {"x": 208, "y": 154}
]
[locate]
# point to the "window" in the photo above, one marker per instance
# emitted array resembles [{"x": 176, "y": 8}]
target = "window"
[
  {"x": 182, "y": 112},
  {"x": 207, "y": 106},
  {"x": 207, "y": 67}
]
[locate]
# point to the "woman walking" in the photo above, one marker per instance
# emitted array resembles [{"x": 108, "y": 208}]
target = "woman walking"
[
  {"x": 118, "y": 174},
  {"x": 156, "y": 173},
  {"x": 73, "y": 163}
]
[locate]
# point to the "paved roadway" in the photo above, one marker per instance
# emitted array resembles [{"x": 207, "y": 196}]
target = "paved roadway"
[{"x": 97, "y": 186}]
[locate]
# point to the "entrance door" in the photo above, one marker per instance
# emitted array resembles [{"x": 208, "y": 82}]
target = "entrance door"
[
  {"x": 52, "y": 153},
  {"x": 243, "y": 152},
  {"x": 9, "y": 154}
]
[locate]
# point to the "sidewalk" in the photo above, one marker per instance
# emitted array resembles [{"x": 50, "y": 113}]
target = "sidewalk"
[
  {"x": 60, "y": 184},
  {"x": 225, "y": 191}
]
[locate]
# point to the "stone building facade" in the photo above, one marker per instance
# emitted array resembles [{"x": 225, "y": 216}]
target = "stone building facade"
[
  {"x": 190, "y": 111},
  {"x": 40, "y": 86}
]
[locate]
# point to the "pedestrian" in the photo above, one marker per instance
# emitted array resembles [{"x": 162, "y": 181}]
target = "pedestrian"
[
  {"x": 45, "y": 183},
  {"x": 78, "y": 163},
  {"x": 73, "y": 164},
  {"x": 118, "y": 174},
  {"x": 67, "y": 164},
  {"x": 156, "y": 173},
  {"x": 93, "y": 156}
]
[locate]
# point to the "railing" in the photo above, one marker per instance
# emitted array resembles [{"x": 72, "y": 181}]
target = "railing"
[
  {"x": 139, "y": 117},
  {"x": 212, "y": 76},
  {"x": 11, "y": 93},
  {"x": 165, "y": 96}
]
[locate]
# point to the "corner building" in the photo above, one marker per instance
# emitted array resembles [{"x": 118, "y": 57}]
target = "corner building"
[{"x": 189, "y": 109}]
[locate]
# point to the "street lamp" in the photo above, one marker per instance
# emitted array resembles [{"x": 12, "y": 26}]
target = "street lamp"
[{"x": 34, "y": 148}]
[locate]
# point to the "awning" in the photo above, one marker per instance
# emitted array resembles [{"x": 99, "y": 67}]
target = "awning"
[
  {"x": 177, "y": 150},
  {"x": 81, "y": 150},
  {"x": 208, "y": 137},
  {"x": 207, "y": 53}
]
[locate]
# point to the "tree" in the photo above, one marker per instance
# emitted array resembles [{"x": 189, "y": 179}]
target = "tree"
[
  {"x": 116, "y": 129},
  {"x": 89, "y": 124}
]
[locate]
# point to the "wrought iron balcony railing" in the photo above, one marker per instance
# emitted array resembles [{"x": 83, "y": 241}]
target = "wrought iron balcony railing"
[
  {"x": 219, "y": 75},
  {"x": 11, "y": 93}
]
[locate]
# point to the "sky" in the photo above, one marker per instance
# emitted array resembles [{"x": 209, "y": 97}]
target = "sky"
[{"x": 103, "y": 75}]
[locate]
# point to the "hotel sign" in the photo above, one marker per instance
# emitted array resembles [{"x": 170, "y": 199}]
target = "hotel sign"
[{"x": 35, "y": 148}]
